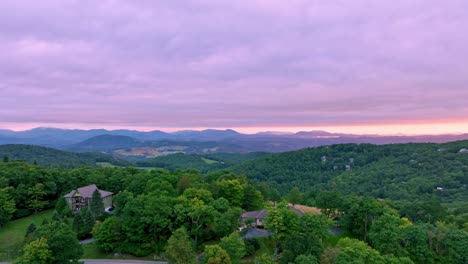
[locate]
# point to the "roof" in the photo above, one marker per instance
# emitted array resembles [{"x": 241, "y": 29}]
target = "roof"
[
  {"x": 299, "y": 209},
  {"x": 255, "y": 214},
  {"x": 87, "y": 192}
]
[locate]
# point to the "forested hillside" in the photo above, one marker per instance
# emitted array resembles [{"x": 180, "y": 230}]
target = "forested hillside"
[
  {"x": 202, "y": 163},
  {"x": 56, "y": 158},
  {"x": 400, "y": 171},
  {"x": 183, "y": 214}
]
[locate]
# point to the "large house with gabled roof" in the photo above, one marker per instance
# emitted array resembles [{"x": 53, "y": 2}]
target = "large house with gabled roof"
[{"x": 82, "y": 197}]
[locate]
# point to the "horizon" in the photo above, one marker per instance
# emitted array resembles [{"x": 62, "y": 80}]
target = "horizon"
[
  {"x": 248, "y": 131},
  {"x": 367, "y": 67}
]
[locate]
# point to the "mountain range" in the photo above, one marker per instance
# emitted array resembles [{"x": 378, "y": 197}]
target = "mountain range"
[{"x": 132, "y": 143}]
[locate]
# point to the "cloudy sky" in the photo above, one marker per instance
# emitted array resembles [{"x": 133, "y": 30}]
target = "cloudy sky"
[{"x": 383, "y": 66}]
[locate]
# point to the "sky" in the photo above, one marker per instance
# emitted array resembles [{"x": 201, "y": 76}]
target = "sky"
[{"x": 367, "y": 66}]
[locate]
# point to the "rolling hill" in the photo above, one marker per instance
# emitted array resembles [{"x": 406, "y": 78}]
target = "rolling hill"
[
  {"x": 56, "y": 158},
  {"x": 396, "y": 171}
]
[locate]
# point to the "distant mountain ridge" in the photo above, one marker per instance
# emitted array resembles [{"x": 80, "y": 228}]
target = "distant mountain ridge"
[{"x": 199, "y": 142}]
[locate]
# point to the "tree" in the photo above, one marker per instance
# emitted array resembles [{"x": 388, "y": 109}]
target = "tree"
[
  {"x": 295, "y": 196},
  {"x": 215, "y": 255},
  {"x": 88, "y": 221},
  {"x": 62, "y": 241},
  {"x": 264, "y": 259},
  {"x": 195, "y": 214},
  {"x": 5, "y": 158},
  {"x": 356, "y": 251},
  {"x": 414, "y": 241},
  {"x": 281, "y": 220},
  {"x": 385, "y": 234},
  {"x": 78, "y": 225},
  {"x": 232, "y": 190},
  {"x": 36, "y": 252},
  {"x": 96, "y": 205},
  {"x": 56, "y": 216},
  {"x": 253, "y": 199},
  {"x": 359, "y": 214},
  {"x": 7, "y": 205},
  {"x": 37, "y": 193},
  {"x": 234, "y": 246},
  {"x": 306, "y": 259},
  {"x": 108, "y": 234},
  {"x": 63, "y": 208},
  {"x": 180, "y": 249},
  {"x": 226, "y": 222},
  {"x": 329, "y": 202},
  {"x": 31, "y": 229},
  {"x": 457, "y": 243}
]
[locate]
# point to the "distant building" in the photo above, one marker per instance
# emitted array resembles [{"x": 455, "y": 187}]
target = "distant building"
[
  {"x": 463, "y": 150},
  {"x": 82, "y": 197},
  {"x": 257, "y": 217}
]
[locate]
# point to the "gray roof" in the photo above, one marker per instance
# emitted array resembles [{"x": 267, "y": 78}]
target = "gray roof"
[
  {"x": 255, "y": 214},
  {"x": 87, "y": 192}
]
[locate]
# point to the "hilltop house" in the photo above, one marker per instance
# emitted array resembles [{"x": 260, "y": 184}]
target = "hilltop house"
[
  {"x": 257, "y": 217},
  {"x": 82, "y": 197}
]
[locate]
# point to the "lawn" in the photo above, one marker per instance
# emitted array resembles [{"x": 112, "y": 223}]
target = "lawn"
[
  {"x": 12, "y": 234},
  {"x": 209, "y": 161}
]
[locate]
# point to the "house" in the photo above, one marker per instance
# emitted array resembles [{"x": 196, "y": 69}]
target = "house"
[
  {"x": 82, "y": 197},
  {"x": 257, "y": 217}
]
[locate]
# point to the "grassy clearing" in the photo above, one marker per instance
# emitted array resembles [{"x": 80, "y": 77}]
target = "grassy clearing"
[
  {"x": 12, "y": 234},
  {"x": 209, "y": 161}
]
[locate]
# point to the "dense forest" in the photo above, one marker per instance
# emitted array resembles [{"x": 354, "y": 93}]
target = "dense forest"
[
  {"x": 201, "y": 163},
  {"x": 379, "y": 204}
]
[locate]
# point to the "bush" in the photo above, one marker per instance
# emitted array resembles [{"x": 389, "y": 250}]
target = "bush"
[{"x": 251, "y": 246}]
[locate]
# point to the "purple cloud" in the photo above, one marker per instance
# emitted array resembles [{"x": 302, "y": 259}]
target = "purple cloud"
[{"x": 233, "y": 63}]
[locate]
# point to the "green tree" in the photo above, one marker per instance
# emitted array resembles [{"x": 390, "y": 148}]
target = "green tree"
[
  {"x": 108, "y": 234},
  {"x": 97, "y": 205},
  {"x": 63, "y": 208},
  {"x": 30, "y": 230},
  {"x": 358, "y": 252},
  {"x": 253, "y": 199},
  {"x": 36, "y": 194},
  {"x": 121, "y": 199},
  {"x": 234, "y": 246},
  {"x": 385, "y": 234},
  {"x": 457, "y": 244},
  {"x": 195, "y": 214},
  {"x": 232, "y": 190},
  {"x": 180, "y": 249},
  {"x": 306, "y": 259},
  {"x": 281, "y": 220},
  {"x": 88, "y": 221},
  {"x": 78, "y": 225},
  {"x": 295, "y": 196},
  {"x": 5, "y": 158},
  {"x": 62, "y": 242},
  {"x": 56, "y": 216},
  {"x": 36, "y": 252},
  {"x": 329, "y": 202},
  {"x": 7, "y": 205},
  {"x": 414, "y": 241},
  {"x": 265, "y": 259},
  {"x": 215, "y": 255}
]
